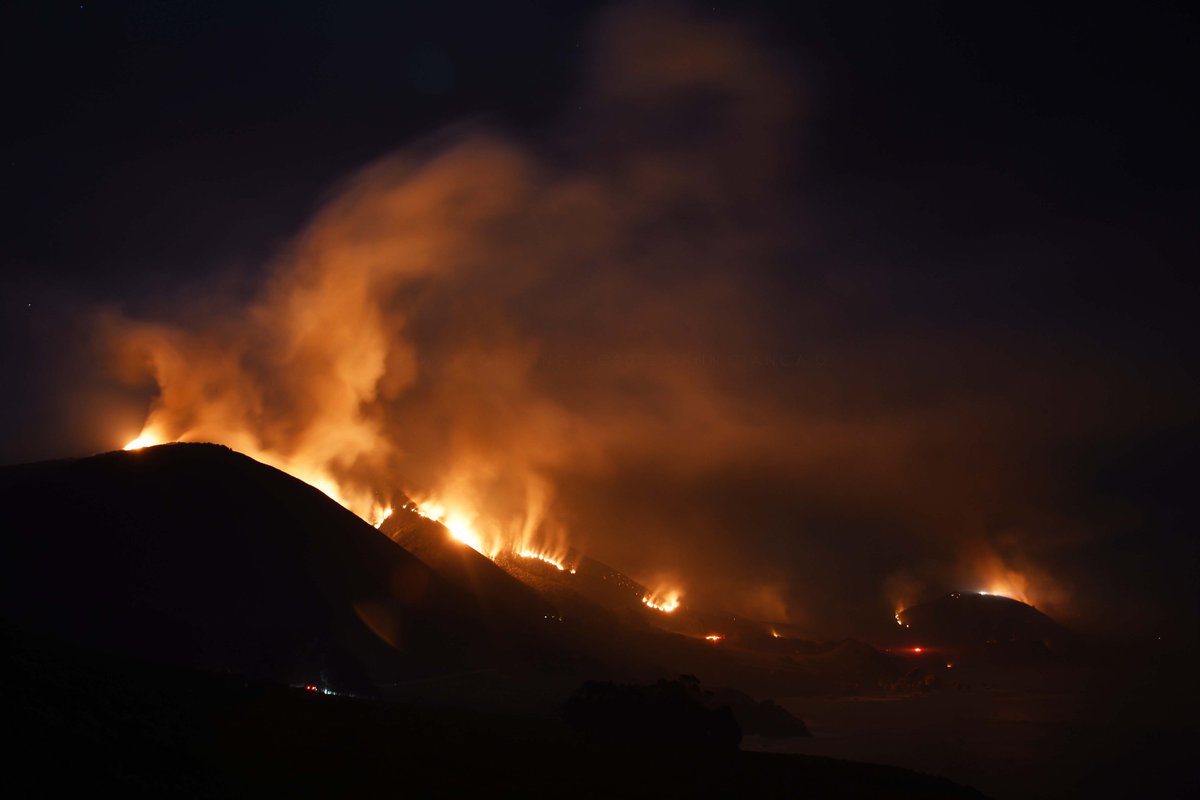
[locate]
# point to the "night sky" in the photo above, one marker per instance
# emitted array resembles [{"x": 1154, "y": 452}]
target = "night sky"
[{"x": 967, "y": 295}]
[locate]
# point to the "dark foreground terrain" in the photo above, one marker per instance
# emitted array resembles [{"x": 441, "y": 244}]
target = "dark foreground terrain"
[
  {"x": 87, "y": 722},
  {"x": 162, "y": 610}
]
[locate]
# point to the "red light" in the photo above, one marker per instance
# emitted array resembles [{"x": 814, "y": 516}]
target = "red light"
[{"x": 916, "y": 649}]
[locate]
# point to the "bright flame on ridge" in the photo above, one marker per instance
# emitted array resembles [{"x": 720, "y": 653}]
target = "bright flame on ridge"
[
  {"x": 461, "y": 526},
  {"x": 143, "y": 440},
  {"x": 665, "y": 602}
]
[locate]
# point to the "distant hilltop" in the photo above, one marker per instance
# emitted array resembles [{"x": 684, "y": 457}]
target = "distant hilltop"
[{"x": 965, "y": 619}]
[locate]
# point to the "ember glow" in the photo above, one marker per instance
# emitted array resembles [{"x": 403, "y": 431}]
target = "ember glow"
[{"x": 714, "y": 637}]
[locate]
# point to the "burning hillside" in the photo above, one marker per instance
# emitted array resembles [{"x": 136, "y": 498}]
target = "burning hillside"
[{"x": 548, "y": 342}]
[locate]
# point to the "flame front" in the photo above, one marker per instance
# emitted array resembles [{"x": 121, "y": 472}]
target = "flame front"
[
  {"x": 460, "y": 524},
  {"x": 664, "y": 601},
  {"x": 544, "y": 557}
]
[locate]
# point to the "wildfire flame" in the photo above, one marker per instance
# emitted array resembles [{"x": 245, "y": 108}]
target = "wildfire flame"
[
  {"x": 383, "y": 516},
  {"x": 461, "y": 526},
  {"x": 714, "y": 637},
  {"x": 664, "y": 601},
  {"x": 546, "y": 558},
  {"x": 143, "y": 439},
  {"x": 487, "y": 539}
]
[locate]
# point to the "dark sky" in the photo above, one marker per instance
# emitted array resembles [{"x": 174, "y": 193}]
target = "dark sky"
[{"x": 998, "y": 195}]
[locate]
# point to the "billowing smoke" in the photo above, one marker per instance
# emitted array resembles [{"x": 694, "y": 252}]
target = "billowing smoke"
[
  {"x": 475, "y": 314},
  {"x": 615, "y": 333}
]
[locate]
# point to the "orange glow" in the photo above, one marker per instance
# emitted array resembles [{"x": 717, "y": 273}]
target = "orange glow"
[
  {"x": 144, "y": 439},
  {"x": 774, "y": 634},
  {"x": 461, "y": 526},
  {"x": 714, "y": 637},
  {"x": 998, "y": 579},
  {"x": 1000, "y": 591},
  {"x": 545, "y": 558},
  {"x": 917, "y": 650},
  {"x": 424, "y": 335},
  {"x": 487, "y": 538},
  {"x": 664, "y": 601},
  {"x": 383, "y": 516}
]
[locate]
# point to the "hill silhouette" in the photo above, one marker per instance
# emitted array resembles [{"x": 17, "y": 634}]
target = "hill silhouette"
[
  {"x": 195, "y": 554},
  {"x": 965, "y": 619},
  {"x": 153, "y": 603}
]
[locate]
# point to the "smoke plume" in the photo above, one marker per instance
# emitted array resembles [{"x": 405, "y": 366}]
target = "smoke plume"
[{"x": 618, "y": 333}]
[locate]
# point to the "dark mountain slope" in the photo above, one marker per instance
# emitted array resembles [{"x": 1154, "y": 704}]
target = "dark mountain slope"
[
  {"x": 967, "y": 618},
  {"x": 196, "y": 554}
]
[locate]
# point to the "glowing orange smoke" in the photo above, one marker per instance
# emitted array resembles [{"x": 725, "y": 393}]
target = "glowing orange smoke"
[
  {"x": 422, "y": 333},
  {"x": 1001, "y": 580}
]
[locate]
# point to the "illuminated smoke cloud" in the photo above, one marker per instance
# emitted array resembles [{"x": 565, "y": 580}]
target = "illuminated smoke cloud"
[{"x": 572, "y": 338}]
